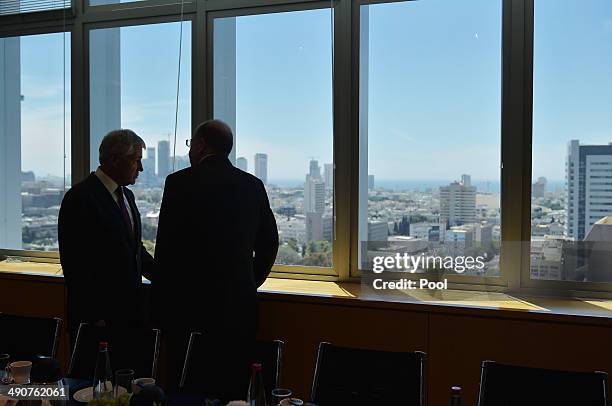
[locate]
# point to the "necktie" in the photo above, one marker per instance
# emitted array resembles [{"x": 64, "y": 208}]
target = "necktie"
[{"x": 124, "y": 212}]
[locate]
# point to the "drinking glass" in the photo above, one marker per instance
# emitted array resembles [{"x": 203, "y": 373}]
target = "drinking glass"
[
  {"x": 123, "y": 380},
  {"x": 279, "y": 394}
]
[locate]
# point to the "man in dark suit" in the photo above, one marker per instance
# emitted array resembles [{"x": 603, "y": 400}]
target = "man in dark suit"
[
  {"x": 101, "y": 251},
  {"x": 216, "y": 243}
]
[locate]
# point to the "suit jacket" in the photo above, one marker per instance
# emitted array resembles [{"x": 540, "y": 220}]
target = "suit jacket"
[
  {"x": 101, "y": 262},
  {"x": 216, "y": 244}
]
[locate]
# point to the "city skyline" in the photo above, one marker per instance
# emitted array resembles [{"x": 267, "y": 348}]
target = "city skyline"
[{"x": 42, "y": 86}]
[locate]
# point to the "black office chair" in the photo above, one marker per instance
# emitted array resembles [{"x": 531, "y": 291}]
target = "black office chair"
[
  {"x": 359, "y": 377},
  {"x": 23, "y": 337},
  {"x": 267, "y": 353},
  {"x": 128, "y": 348},
  {"x": 508, "y": 385}
]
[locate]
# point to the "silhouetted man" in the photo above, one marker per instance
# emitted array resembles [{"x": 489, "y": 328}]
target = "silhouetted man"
[
  {"x": 216, "y": 244},
  {"x": 100, "y": 243}
]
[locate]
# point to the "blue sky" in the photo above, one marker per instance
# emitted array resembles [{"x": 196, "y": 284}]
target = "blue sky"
[{"x": 434, "y": 88}]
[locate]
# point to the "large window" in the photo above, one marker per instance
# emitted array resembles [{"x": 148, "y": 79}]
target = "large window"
[
  {"x": 273, "y": 84},
  {"x": 571, "y": 199},
  {"x": 133, "y": 84},
  {"x": 430, "y": 118},
  {"x": 432, "y": 128},
  {"x": 34, "y": 138}
]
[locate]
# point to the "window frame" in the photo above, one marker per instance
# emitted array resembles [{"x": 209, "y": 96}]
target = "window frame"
[
  {"x": 340, "y": 253},
  {"x": 30, "y": 27},
  {"x": 508, "y": 212}
]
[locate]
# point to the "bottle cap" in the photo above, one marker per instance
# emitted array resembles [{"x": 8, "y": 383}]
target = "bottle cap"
[
  {"x": 103, "y": 345},
  {"x": 456, "y": 390},
  {"x": 256, "y": 367}
]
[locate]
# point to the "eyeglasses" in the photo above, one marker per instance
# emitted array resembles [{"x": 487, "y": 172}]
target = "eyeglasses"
[{"x": 188, "y": 143}]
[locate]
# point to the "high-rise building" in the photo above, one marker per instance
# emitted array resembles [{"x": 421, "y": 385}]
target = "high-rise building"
[
  {"x": 328, "y": 176},
  {"x": 261, "y": 167},
  {"x": 315, "y": 170},
  {"x": 589, "y": 191},
  {"x": 328, "y": 228},
  {"x": 148, "y": 166},
  {"x": 163, "y": 159},
  {"x": 241, "y": 163},
  {"x": 466, "y": 180},
  {"x": 314, "y": 195},
  {"x": 314, "y": 226},
  {"x": 457, "y": 204},
  {"x": 538, "y": 188},
  {"x": 370, "y": 182}
]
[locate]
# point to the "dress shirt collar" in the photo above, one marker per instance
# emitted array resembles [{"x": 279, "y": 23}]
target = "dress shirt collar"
[{"x": 108, "y": 182}]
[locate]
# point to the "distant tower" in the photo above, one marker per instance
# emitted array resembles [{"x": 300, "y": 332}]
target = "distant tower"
[
  {"x": 163, "y": 159},
  {"x": 315, "y": 170},
  {"x": 328, "y": 176},
  {"x": 457, "y": 204},
  {"x": 148, "y": 165},
  {"x": 370, "y": 182},
  {"x": 466, "y": 180},
  {"x": 261, "y": 167},
  {"x": 588, "y": 176},
  {"x": 241, "y": 163},
  {"x": 314, "y": 195}
]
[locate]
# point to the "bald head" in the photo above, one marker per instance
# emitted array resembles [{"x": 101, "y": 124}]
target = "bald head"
[{"x": 216, "y": 135}]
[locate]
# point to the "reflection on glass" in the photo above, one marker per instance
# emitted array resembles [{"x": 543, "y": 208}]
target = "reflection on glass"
[
  {"x": 571, "y": 194},
  {"x": 273, "y": 85},
  {"x": 133, "y": 84},
  {"x": 430, "y": 132},
  {"x": 34, "y": 138}
]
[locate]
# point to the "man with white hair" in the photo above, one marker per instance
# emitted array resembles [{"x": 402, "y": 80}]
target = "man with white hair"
[{"x": 100, "y": 244}]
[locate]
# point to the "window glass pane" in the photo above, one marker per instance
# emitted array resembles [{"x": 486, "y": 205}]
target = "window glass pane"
[
  {"x": 273, "y": 85},
  {"x": 571, "y": 223},
  {"x": 34, "y": 138},
  {"x": 430, "y": 133},
  {"x": 133, "y": 84}
]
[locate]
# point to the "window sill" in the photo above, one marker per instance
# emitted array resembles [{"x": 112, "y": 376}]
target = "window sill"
[
  {"x": 443, "y": 301},
  {"x": 351, "y": 294}
]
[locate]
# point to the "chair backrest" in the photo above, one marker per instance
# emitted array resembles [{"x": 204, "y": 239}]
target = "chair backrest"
[
  {"x": 129, "y": 348},
  {"x": 508, "y": 385},
  {"x": 23, "y": 337},
  {"x": 351, "y": 376},
  {"x": 267, "y": 353},
  {"x": 270, "y": 355}
]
